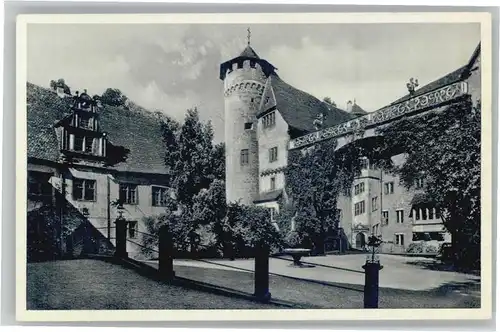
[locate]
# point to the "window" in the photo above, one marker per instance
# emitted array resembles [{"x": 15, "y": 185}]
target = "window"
[
  {"x": 273, "y": 154},
  {"x": 84, "y": 122},
  {"x": 400, "y": 239},
  {"x": 89, "y": 143},
  {"x": 385, "y": 217},
  {"x": 389, "y": 188},
  {"x": 272, "y": 213},
  {"x": 375, "y": 203},
  {"x": 38, "y": 184},
  {"x": 417, "y": 214},
  {"x": 78, "y": 143},
  {"x": 244, "y": 157},
  {"x": 160, "y": 196},
  {"x": 359, "y": 208},
  {"x": 128, "y": 193},
  {"x": 273, "y": 183},
  {"x": 399, "y": 216},
  {"x": 359, "y": 188},
  {"x": 424, "y": 214},
  {"x": 364, "y": 163},
  {"x": 132, "y": 229},
  {"x": 339, "y": 214},
  {"x": 269, "y": 120},
  {"x": 84, "y": 190},
  {"x": 248, "y": 125},
  {"x": 431, "y": 214},
  {"x": 419, "y": 183}
]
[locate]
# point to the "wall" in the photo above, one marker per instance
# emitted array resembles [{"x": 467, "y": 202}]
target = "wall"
[
  {"x": 98, "y": 209},
  {"x": 276, "y": 136},
  {"x": 243, "y": 91}
]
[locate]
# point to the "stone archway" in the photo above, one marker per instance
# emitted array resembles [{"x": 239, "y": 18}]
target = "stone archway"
[{"x": 360, "y": 240}]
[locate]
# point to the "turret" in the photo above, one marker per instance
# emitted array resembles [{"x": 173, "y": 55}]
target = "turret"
[{"x": 244, "y": 79}]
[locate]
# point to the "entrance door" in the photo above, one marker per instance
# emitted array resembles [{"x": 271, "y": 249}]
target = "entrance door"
[{"x": 360, "y": 240}]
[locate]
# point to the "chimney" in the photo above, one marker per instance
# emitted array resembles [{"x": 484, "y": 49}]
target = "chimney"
[{"x": 349, "y": 106}]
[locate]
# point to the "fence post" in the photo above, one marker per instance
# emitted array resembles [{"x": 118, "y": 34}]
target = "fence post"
[
  {"x": 121, "y": 237},
  {"x": 372, "y": 269},
  {"x": 165, "y": 255},
  {"x": 261, "y": 273}
]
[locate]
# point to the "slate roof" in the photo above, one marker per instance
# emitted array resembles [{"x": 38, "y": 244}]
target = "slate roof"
[
  {"x": 299, "y": 109},
  {"x": 269, "y": 196},
  {"x": 249, "y": 52},
  {"x": 135, "y": 129},
  {"x": 357, "y": 110}
]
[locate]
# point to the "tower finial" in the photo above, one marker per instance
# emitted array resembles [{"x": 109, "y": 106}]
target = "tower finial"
[{"x": 248, "y": 36}]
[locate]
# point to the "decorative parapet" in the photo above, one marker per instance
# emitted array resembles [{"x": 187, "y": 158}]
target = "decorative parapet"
[
  {"x": 271, "y": 171},
  {"x": 386, "y": 114}
]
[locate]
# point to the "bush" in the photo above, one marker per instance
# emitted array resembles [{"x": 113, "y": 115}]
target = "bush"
[{"x": 423, "y": 247}]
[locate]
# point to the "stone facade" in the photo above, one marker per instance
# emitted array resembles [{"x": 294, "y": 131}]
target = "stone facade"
[
  {"x": 244, "y": 85},
  {"x": 383, "y": 206}
]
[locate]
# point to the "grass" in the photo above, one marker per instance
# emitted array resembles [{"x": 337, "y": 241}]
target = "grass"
[{"x": 97, "y": 285}]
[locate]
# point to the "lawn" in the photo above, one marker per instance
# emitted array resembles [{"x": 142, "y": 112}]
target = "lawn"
[{"x": 95, "y": 285}]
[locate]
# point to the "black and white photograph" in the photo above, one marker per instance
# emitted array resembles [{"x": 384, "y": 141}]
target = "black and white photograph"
[{"x": 255, "y": 165}]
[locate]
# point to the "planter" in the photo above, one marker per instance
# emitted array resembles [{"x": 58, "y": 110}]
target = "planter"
[{"x": 297, "y": 254}]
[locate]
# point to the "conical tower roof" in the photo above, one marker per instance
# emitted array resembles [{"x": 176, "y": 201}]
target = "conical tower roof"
[{"x": 249, "y": 52}]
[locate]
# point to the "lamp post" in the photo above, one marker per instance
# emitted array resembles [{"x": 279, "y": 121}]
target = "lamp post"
[{"x": 372, "y": 268}]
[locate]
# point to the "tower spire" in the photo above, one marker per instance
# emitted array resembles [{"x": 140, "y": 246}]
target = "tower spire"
[{"x": 249, "y": 34}]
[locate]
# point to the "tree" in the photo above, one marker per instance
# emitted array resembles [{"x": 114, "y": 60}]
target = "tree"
[
  {"x": 113, "y": 97},
  {"x": 445, "y": 148},
  {"x": 60, "y": 83},
  {"x": 316, "y": 177},
  {"x": 329, "y": 101},
  {"x": 197, "y": 168}
]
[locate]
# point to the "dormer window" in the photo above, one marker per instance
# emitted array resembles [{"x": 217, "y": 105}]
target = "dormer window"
[
  {"x": 269, "y": 120},
  {"x": 83, "y": 144}
]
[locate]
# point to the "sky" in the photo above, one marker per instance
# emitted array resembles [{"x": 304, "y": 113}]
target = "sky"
[{"x": 173, "y": 67}]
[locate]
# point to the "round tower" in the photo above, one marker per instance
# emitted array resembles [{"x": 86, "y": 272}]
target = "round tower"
[{"x": 244, "y": 80}]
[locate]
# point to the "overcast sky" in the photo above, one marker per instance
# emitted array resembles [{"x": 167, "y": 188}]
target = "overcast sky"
[{"x": 175, "y": 67}]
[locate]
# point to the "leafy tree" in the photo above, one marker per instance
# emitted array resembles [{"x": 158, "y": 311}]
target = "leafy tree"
[
  {"x": 329, "y": 101},
  {"x": 113, "y": 97},
  {"x": 445, "y": 148},
  {"x": 316, "y": 177},
  {"x": 60, "y": 83}
]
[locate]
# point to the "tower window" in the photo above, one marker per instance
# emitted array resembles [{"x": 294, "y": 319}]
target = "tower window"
[
  {"x": 244, "y": 157},
  {"x": 359, "y": 208},
  {"x": 248, "y": 125},
  {"x": 389, "y": 188},
  {"x": 89, "y": 143},
  {"x": 269, "y": 120},
  {"x": 273, "y": 154},
  {"x": 273, "y": 183},
  {"x": 79, "y": 141}
]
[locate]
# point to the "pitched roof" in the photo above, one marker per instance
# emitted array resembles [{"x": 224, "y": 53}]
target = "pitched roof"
[
  {"x": 357, "y": 110},
  {"x": 299, "y": 109},
  {"x": 249, "y": 52},
  {"x": 137, "y": 130},
  {"x": 269, "y": 196}
]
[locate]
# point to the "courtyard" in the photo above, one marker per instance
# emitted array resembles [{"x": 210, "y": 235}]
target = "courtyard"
[{"x": 333, "y": 282}]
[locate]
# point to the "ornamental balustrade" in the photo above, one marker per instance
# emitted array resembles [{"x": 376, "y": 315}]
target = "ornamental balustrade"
[{"x": 386, "y": 114}]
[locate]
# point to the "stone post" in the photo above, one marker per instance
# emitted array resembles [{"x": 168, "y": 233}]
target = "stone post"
[
  {"x": 165, "y": 256},
  {"x": 121, "y": 237},
  {"x": 261, "y": 273},
  {"x": 372, "y": 269}
]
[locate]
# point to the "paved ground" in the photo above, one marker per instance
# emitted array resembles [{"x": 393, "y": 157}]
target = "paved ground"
[
  {"x": 399, "y": 272},
  {"x": 314, "y": 294},
  {"x": 94, "y": 285}
]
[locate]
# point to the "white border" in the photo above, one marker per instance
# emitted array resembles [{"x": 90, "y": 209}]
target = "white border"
[{"x": 485, "y": 312}]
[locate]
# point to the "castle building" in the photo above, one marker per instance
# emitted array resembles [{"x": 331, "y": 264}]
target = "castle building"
[
  {"x": 87, "y": 163},
  {"x": 266, "y": 118}
]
